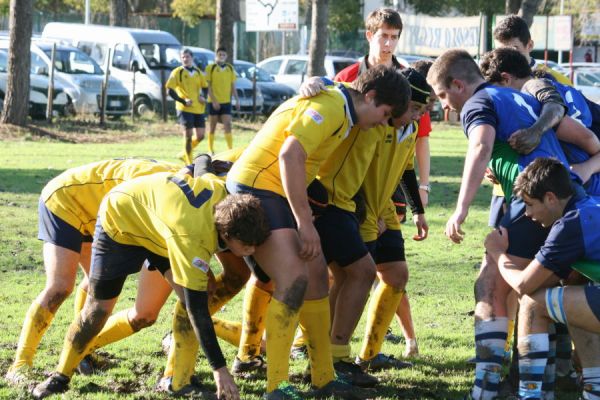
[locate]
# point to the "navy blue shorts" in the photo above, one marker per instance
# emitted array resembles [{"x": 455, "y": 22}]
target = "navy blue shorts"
[
  {"x": 496, "y": 211},
  {"x": 225, "y": 109},
  {"x": 340, "y": 236},
  {"x": 112, "y": 262},
  {"x": 592, "y": 295},
  {"x": 190, "y": 120},
  {"x": 276, "y": 207},
  {"x": 54, "y": 230},
  {"x": 525, "y": 236},
  {"x": 389, "y": 247}
]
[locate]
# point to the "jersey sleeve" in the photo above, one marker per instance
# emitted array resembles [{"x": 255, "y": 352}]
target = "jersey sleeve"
[
  {"x": 424, "y": 125},
  {"x": 479, "y": 110},
  {"x": 189, "y": 262},
  {"x": 314, "y": 122},
  {"x": 544, "y": 91},
  {"x": 564, "y": 245},
  {"x": 173, "y": 81}
]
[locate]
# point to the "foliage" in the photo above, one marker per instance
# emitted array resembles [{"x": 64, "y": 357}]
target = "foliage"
[
  {"x": 191, "y": 11},
  {"x": 345, "y": 16},
  {"x": 443, "y": 8},
  {"x": 579, "y": 9}
]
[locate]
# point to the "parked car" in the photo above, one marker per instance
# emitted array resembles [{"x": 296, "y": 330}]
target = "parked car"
[
  {"x": 587, "y": 81},
  {"x": 274, "y": 93},
  {"x": 38, "y": 90},
  {"x": 553, "y": 65},
  {"x": 407, "y": 59},
  {"x": 151, "y": 51},
  {"x": 291, "y": 69},
  {"x": 204, "y": 57},
  {"x": 82, "y": 79}
]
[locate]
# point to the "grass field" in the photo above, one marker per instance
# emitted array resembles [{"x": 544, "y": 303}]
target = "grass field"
[{"x": 440, "y": 285}]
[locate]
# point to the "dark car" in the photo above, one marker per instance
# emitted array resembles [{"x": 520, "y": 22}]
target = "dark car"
[{"x": 273, "y": 93}]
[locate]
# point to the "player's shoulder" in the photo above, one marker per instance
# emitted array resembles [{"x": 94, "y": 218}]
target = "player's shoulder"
[{"x": 348, "y": 74}]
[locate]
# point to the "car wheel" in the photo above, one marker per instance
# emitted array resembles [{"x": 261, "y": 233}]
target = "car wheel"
[{"x": 142, "y": 106}]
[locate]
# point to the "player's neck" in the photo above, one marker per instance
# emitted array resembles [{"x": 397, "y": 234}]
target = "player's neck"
[{"x": 374, "y": 60}]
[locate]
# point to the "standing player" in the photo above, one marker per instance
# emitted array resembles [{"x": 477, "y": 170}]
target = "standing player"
[
  {"x": 553, "y": 201},
  {"x": 67, "y": 216},
  {"x": 221, "y": 86},
  {"x": 298, "y": 137},
  {"x": 489, "y": 115},
  {"x": 176, "y": 222},
  {"x": 185, "y": 86}
]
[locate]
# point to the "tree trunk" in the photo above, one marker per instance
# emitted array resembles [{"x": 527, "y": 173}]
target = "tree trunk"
[
  {"x": 318, "y": 38},
  {"x": 227, "y": 10},
  {"x": 528, "y": 10},
  {"x": 119, "y": 10},
  {"x": 512, "y": 6},
  {"x": 16, "y": 99}
]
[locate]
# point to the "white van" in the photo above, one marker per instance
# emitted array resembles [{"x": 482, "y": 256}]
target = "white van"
[{"x": 151, "y": 50}]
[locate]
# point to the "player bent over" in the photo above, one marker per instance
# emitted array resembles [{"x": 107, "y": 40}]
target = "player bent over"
[
  {"x": 573, "y": 244},
  {"x": 176, "y": 222},
  {"x": 67, "y": 216}
]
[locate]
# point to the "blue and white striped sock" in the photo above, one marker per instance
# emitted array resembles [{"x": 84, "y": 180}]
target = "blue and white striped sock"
[
  {"x": 490, "y": 339},
  {"x": 550, "y": 372},
  {"x": 533, "y": 356},
  {"x": 591, "y": 383}
]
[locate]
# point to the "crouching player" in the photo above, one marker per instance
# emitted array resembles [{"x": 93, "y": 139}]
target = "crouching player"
[
  {"x": 573, "y": 244},
  {"x": 176, "y": 222}
]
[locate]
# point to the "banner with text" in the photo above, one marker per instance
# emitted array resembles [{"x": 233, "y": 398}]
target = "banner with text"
[
  {"x": 431, "y": 36},
  {"x": 271, "y": 15}
]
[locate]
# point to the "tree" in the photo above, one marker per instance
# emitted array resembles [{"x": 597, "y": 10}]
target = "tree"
[
  {"x": 16, "y": 99},
  {"x": 318, "y": 38},
  {"x": 191, "y": 11},
  {"x": 528, "y": 9},
  {"x": 118, "y": 13},
  {"x": 227, "y": 13}
]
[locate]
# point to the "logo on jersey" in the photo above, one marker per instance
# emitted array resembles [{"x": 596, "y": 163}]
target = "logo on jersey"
[
  {"x": 200, "y": 264},
  {"x": 314, "y": 114}
]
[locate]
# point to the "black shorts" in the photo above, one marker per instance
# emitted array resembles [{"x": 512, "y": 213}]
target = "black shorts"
[
  {"x": 224, "y": 109},
  {"x": 496, "y": 211},
  {"x": 112, "y": 262},
  {"x": 54, "y": 230},
  {"x": 340, "y": 236},
  {"x": 276, "y": 207},
  {"x": 190, "y": 120},
  {"x": 389, "y": 247},
  {"x": 525, "y": 236}
]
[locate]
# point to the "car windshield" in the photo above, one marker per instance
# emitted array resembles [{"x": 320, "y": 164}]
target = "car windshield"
[
  {"x": 161, "y": 55},
  {"x": 247, "y": 71},
  {"x": 73, "y": 61},
  {"x": 589, "y": 78}
]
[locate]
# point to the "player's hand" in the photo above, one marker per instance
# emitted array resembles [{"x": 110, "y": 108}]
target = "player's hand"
[
  {"x": 381, "y": 227},
  {"x": 490, "y": 177},
  {"x": 524, "y": 141},
  {"x": 216, "y": 106},
  {"x": 188, "y": 102},
  {"x": 226, "y": 387},
  {"x": 310, "y": 243},
  {"x": 581, "y": 171},
  {"x": 496, "y": 242},
  {"x": 311, "y": 87},
  {"x": 201, "y": 99},
  {"x": 422, "y": 227},
  {"x": 453, "y": 231}
]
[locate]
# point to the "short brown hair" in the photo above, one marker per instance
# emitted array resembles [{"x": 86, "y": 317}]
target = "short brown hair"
[
  {"x": 453, "y": 64},
  {"x": 241, "y": 217},
  {"x": 390, "y": 87},
  {"x": 383, "y": 16},
  {"x": 512, "y": 27},
  {"x": 544, "y": 175}
]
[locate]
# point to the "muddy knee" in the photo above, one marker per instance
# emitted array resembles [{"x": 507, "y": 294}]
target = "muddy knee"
[
  {"x": 141, "y": 321},
  {"x": 294, "y": 294}
]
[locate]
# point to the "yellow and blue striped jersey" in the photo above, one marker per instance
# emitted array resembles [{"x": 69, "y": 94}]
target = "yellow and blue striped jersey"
[{"x": 188, "y": 85}]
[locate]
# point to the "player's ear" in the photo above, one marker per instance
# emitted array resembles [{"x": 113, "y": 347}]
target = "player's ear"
[
  {"x": 529, "y": 46},
  {"x": 370, "y": 96},
  {"x": 369, "y": 35},
  {"x": 506, "y": 78}
]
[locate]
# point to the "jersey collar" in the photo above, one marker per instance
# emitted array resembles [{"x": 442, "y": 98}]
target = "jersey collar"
[
  {"x": 579, "y": 195},
  {"x": 348, "y": 105},
  {"x": 364, "y": 64}
]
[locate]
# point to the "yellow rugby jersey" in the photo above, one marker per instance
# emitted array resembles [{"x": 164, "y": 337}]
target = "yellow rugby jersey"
[
  {"x": 220, "y": 80},
  {"x": 560, "y": 78},
  {"x": 188, "y": 85},
  {"x": 75, "y": 195},
  {"x": 394, "y": 155},
  {"x": 170, "y": 215},
  {"x": 343, "y": 172},
  {"x": 320, "y": 124}
]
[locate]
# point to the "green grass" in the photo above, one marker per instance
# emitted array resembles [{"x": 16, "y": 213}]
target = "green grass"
[{"x": 440, "y": 286}]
